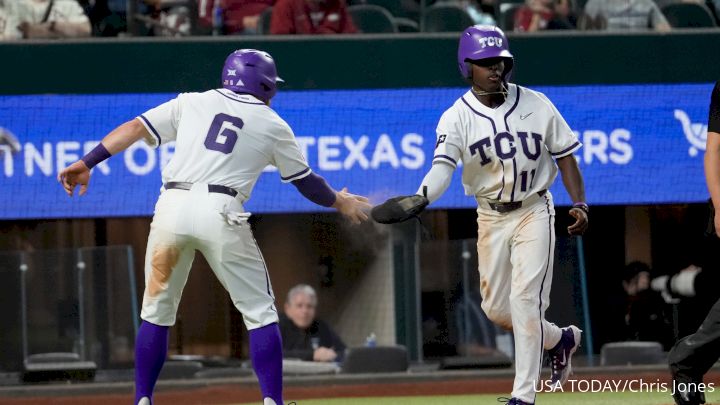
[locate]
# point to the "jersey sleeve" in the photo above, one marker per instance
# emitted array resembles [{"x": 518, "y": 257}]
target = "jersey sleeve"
[
  {"x": 714, "y": 120},
  {"x": 560, "y": 140},
  {"x": 162, "y": 122},
  {"x": 288, "y": 157},
  {"x": 448, "y": 144}
]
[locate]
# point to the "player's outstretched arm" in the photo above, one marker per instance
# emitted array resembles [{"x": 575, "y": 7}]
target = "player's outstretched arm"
[
  {"x": 315, "y": 188},
  {"x": 116, "y": 141},
  {"x": 573, "y": 181},
  {"x": 354, "y": 207},
  {"x": 402, "y": 208}
]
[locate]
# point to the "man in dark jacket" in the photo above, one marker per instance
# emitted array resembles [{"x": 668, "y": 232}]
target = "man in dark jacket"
[{"x": 305, "y": 337}]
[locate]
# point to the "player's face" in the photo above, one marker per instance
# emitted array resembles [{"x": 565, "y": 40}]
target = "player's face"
[
  {"x": 487, "y": 74},
  {"x": 301, "y": 310}
]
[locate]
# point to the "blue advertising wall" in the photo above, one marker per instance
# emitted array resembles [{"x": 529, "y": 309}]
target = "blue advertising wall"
[{"x": 643, "y": 144}]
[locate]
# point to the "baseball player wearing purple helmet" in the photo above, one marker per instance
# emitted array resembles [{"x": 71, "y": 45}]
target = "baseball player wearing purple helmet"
[
  {"x": 224, "y": 139},
  {"x": 511, "y": 141}
]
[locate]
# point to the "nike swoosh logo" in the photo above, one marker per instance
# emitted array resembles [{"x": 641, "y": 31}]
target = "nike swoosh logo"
[
  {"x": 522, "y": 117},
  {"x": 563, "y": 363}
]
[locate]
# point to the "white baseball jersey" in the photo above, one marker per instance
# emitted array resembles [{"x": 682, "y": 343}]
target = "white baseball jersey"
[
  {"x": 227, "y": 139},
  {"x": 224, "y": 138},
  {"x": 508, "y": 155},
  {"x": 507, "y": 152}
]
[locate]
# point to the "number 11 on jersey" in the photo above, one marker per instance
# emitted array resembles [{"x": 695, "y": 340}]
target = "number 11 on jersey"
[{"x": 524, "y": 179}]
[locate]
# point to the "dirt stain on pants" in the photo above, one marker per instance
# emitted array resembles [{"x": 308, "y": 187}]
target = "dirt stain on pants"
[{"x": 164, "y": 259}]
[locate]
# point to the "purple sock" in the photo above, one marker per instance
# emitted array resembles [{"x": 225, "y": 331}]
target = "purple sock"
[
  {"x": 266, "y": 356},
  {"x": 151, "y": 348}
]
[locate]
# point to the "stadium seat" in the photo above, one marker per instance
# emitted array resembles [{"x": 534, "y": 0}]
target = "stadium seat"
[
  {"x": 372, "y": 19},
  {"x": 446, "y": 18},
  {"x": 688, "y": 15},
  {"x": 631, "y": 353},
  {"x": 398, "y": 8},
  {"x": 263, "y": 26},
  {"x": 404, "y": 12},
  {"x": 381, "y": 359},
  {"x": 406, "y": 25}
]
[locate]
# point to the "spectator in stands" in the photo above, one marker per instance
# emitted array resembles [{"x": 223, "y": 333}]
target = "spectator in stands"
[
  {"x": 564, "y": 16},
  {"x": 477, "y": 11},
  {"x": 538, "y": 15},
  {"x": 44, "y": 19},
  {"x": 169, "y": 18},
  {"x": 239, "y": 16},
  {"x": 305, "y": 337},
  {"x": 617, "y": 15},
  {"x": 311, "y": 17}
]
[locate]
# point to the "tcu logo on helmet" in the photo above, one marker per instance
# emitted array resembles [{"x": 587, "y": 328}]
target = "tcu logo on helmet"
[
  {"x": 505, "y": 147},
  {"x": 490, "y": 41}
]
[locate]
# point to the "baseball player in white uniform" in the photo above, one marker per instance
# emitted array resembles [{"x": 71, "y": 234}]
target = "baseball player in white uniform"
[
  {"x": 224, "y": 139},
  {"x": 511, "y": 141}
]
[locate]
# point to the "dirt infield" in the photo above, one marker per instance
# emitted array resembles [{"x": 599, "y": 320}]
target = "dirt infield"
[{"x": 216, "y": 394}]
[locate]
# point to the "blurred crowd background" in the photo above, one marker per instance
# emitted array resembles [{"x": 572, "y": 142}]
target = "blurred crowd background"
[{"x": 108, "y": 18}]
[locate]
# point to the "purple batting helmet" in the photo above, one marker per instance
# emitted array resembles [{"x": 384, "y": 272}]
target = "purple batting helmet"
[
  {"x": 251, "y": 71},
  {"x": 483, "y": 42}
]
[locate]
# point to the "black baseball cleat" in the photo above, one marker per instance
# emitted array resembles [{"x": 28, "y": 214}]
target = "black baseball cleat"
[
  {"x": 687, "y": 391},
  {"x": 561, "y": 355}
]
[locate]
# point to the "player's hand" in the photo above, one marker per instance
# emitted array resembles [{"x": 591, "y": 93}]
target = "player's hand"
[
  {"x": 352, "y": 206},
  {"x": 73, "y": 175},
  {"x": 324, "y": 354},
  {"x": 581, "y": 222}
]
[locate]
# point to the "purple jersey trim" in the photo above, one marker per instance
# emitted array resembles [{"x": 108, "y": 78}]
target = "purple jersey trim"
[
  {"x": 480, "y": 114},
  {"x": 239, "y": 101},
  {"x": 152, "y": 129},
  {"x": 502, "y": 165},
  {"x": 566, "y": 150},
  {"x": 512, "y": 193},
  {"x": 517, "y": 100},
  {"x": 296, "y": 175},
  {"x": 446, "y": 157}
]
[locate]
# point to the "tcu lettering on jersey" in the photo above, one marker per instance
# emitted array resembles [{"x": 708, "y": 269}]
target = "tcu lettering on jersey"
[{"x": 505, "y": 148}]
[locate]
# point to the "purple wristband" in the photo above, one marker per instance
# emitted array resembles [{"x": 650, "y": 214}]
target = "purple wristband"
[
  {"x": 582, "y": 205},
  {"x": 95, "y": 156},
  {"x": 316, "y": 189}
]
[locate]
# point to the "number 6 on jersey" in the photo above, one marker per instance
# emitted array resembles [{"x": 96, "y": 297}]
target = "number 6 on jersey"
[{"x": 223, "y": 133}]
